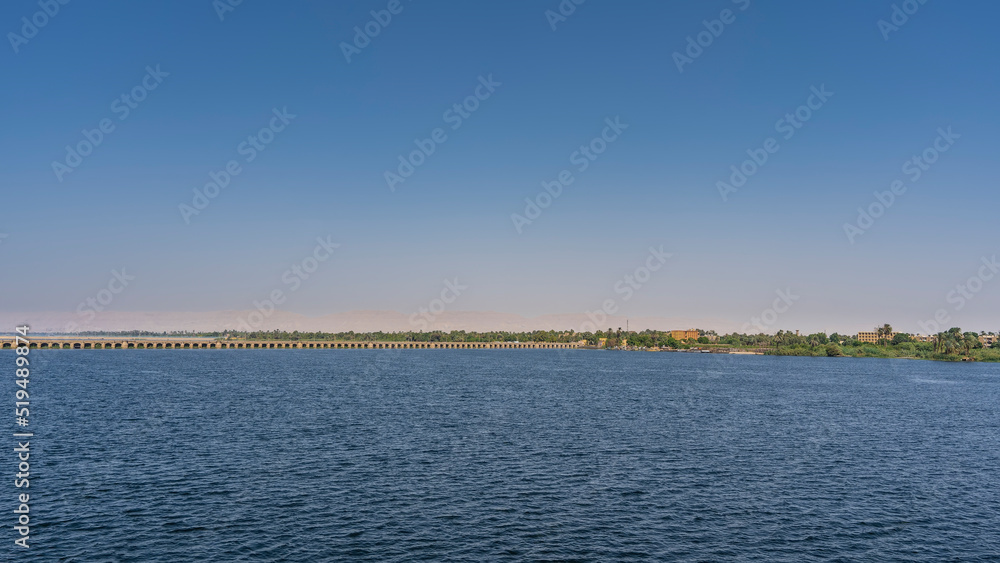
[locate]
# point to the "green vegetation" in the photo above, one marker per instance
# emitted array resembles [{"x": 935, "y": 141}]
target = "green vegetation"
[{"x": 953, "y": 345}]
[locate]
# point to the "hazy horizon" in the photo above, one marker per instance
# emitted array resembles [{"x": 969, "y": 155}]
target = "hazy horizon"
[{"x": 397, "y": 321}]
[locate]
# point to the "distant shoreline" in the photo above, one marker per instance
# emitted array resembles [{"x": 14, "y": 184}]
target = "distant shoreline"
[{"x": 202, "y": 343}]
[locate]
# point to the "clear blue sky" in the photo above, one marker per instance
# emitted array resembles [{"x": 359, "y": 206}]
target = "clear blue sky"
[{"x": 655, "y": 185}]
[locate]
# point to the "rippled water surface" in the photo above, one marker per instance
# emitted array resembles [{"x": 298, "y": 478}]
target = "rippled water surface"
[{"x": 513, "y": 455}]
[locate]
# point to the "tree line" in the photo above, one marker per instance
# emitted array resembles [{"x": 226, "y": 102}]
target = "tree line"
[{"x": 948, "y": 343}]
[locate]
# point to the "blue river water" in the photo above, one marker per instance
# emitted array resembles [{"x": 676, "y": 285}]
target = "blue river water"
[{"x": 512, "y": 455}]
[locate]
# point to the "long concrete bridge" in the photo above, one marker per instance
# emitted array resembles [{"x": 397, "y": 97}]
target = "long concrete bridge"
[{"x": 82, "y": 343}]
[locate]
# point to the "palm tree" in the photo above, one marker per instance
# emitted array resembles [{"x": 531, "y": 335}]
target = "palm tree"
[
  {"x": 940, "y": 341},
  {"x": 969, "y": 341},
  {"x": 887, "y": 331},
  {"x": 779, "y": 338},
  {"x": 949, "y": 342}
]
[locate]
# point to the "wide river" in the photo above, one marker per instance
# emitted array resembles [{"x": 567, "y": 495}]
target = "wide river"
[{"x": 506, "y": 455}]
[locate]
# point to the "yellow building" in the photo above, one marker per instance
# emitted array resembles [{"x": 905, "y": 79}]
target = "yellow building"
[
  {"x": 872, "y": 337},
  {"x": 690, "y": 334},
  {"x": 601, "y": 342}
]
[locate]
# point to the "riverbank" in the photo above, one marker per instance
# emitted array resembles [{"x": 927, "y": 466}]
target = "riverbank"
[
  {"x": 866, "y": 351},
  {"x": 902, "y": 352},
  {"x": 973, "y": 355}
]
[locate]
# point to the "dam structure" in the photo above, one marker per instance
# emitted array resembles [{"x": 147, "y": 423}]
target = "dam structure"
[{"x": 183, "y": 343}]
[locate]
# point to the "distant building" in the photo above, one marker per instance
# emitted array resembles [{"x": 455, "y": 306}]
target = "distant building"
[
  {"x": 690, "y": 334},
  {"x": 921, "y": 338},
  {"x": 601, "y": 342},
  {"x": 989, "y": 339},
  {"x": 872, "y": 337}
]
